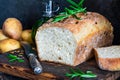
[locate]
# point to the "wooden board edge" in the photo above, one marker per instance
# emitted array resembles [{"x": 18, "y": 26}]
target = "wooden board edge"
[{"x": 25, "y": 73}]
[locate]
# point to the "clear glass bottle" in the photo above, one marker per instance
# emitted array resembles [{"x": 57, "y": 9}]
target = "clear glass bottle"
[{"x": 48, "y": 9}]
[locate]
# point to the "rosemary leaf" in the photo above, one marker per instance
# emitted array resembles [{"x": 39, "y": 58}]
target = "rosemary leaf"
[
  {"x": 63, "y": 13},
  {"x": 20, "y": 60},
  {"x": 72, "y": 10},
  {"x": 58, "y": 18},
  {"x": 81, "y": 74},
  {"x": 68, "y": 74},
  {"x": 88, "y": 75},
  {"x": 89, "y": 72},
  {"x": 13, "y": 58},
  {"x": 74, "y": 75},
  {"x": 77, "y": 17},
  {"x": 69, "y": 11},
  {"x": 81, "y": 10},
  {"x": 81, "y": 3}
]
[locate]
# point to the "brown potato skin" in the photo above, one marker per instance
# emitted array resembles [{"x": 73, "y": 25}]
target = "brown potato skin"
[
  {"x": 2, "y": 36},
  {"x": 8, "y": 45},
  {"x": 12, "y": 27},
  {"x": 26, "y": 36}
]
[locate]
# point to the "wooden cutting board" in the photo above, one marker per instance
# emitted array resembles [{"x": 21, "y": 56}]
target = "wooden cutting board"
[{"x": 51, "y": 71}]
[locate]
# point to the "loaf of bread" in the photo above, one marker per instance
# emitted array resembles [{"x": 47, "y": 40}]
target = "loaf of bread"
[
  {"x": 108, "y": 58},
  {"x": 71, "y": 41}
]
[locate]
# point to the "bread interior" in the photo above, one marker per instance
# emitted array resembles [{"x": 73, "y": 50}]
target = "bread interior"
[
  {"x": 56, "y": 44},
  {"x": 109, "y": 52}
]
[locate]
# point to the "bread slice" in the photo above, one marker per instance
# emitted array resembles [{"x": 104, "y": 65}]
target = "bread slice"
[
  {"x": 108, "y": 58},
  {"x": 71, "y": 41}
]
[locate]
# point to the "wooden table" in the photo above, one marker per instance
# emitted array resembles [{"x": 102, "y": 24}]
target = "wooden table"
[{"x": 52, "y": 71}]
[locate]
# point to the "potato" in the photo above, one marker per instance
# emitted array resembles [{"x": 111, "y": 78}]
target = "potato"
[
  {"x": 12, "y": 27},
  {"x": 26, "y": 36},
  {"x": 8, "y": 45},
  {"x": 2, "y": 36}
]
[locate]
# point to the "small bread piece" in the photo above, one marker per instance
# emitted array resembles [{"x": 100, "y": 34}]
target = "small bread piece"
[
  {"x": 71, "y": 41},
  {"x": 108, "y": 58}
]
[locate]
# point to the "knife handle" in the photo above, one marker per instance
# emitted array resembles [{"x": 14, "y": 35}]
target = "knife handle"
[{"x": 35, "y": 64}]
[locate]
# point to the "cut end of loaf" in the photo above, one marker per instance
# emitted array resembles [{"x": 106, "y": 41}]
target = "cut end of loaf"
[
  {"x": 108, "y": 58},
  {"x": 56, "y": 45},
  {"x": 109, "y": 52}
]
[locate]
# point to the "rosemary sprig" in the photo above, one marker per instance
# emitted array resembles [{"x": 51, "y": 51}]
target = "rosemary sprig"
[
  {"x": 81, "y": 74},
  {"x": 13, "y": 58},
  {"x": 72, "y": 10}
]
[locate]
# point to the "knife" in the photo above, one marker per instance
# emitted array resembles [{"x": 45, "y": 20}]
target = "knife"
[{"x": 31, "y": 55}]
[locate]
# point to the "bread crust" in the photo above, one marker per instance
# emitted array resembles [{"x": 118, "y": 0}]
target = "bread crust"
[
  {"x": 88, "y": 19},
  {"x": 111, "y": 64},
  {"x": 94, "y": 30},
  {"x": 85, "y": 49}
]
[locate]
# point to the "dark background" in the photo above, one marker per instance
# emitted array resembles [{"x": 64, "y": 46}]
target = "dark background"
[{"x": 28, "y": 11}]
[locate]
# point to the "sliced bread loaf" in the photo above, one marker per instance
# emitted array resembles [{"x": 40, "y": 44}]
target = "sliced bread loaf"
[
  {"x": 108, "y": 58},
  {"x": 70, "y": 41}
]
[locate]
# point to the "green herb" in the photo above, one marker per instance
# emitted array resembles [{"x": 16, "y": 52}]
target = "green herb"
[
  {"x": 81, "y": 74},
  {"x": 13, "y": 58},
  {"x": 36, "y": 25},
  {"x": 73, "y": 10}
]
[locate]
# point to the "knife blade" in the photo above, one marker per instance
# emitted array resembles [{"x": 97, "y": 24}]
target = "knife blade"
[{"x": 31, "y": 55}]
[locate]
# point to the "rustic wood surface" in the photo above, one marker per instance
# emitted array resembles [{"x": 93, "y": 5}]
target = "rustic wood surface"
[{"x": 51, "y": 71}]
